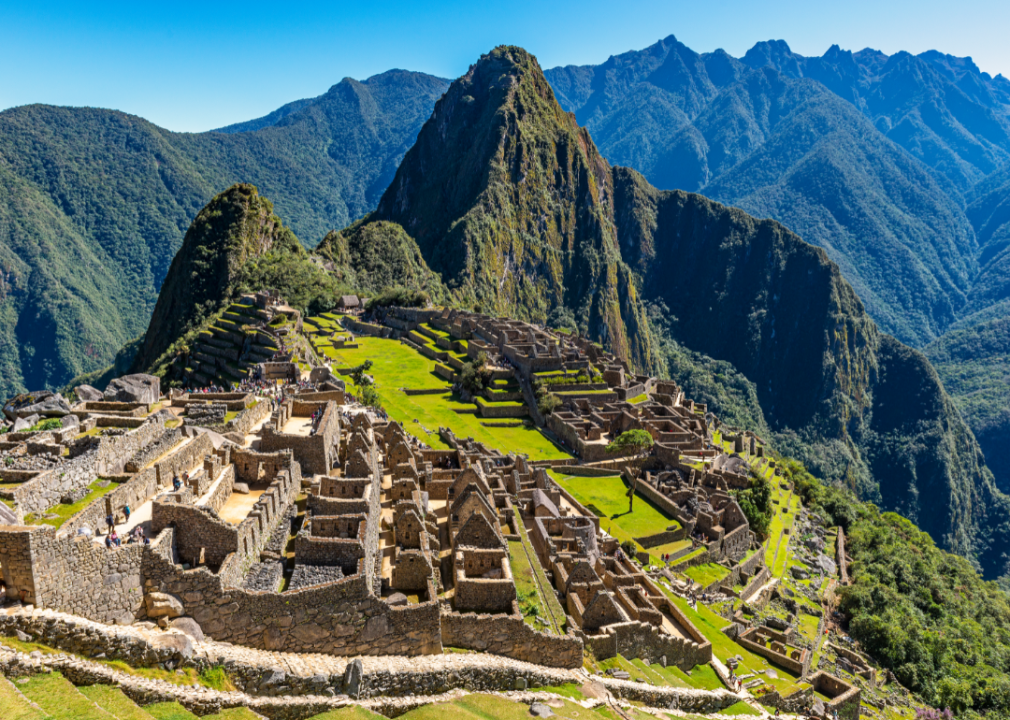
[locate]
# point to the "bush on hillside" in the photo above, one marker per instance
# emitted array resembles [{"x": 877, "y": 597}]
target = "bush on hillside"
[{"x": 399, "y": 297}]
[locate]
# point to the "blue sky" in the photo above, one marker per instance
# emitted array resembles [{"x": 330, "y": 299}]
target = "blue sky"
[{"x": 191, "y": 67}]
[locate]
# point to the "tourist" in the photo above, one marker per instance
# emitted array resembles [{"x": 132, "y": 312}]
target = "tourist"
[
  {"x": 126, "y": 512},
  {"x": 108, "y": 541},
  {"x": 110, "y": 520},
  {"x": 114, "y": 537},
  {"x": 176, "y": 483}
]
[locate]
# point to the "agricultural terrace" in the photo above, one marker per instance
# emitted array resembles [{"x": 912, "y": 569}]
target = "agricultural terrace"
[{"x": 396, "y": 366}]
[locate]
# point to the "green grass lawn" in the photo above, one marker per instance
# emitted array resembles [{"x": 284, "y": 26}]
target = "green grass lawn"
[
  {"x": 396, "y": 366},
  {"x": 60, "y": 700},
  {"x": 14, "y": 706},
  {"x": 740, "y": 708},
  {"x": 112, "y": 699},
  {"x": 710, "y": 625},
  {"x": 489, "y": 707},
  {"x": 707, "y": 573},
  {"x": 530, "y": 603},
  {"x": 169, "y": 711},
  {"x": 65, "y": 512},
  {"x": 606, "y": 497},
  {"x": 351, "y": 712}
]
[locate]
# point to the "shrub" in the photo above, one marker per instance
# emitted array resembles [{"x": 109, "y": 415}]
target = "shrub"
[
  {"x": 399, "y": 297},
  {"x": 48, "y": 424}
]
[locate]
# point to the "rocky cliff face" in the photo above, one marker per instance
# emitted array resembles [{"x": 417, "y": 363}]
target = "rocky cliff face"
[
  {"x": 857, "y": 405},
  {"x": 235, "y": 227}
]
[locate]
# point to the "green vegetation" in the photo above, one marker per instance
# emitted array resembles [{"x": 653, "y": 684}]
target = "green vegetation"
[
  {"x": 97, "y": 202},
  {"x": 59, "y": 699},
  {"x": 401, "y": 297},
  {"x": 756, "y": 503},
  {"x": 396, "y": 366},
  {"x": 65, "y": 512},
  {"x": 112, "y": 700},
  {"x": 15, "y": 707},
  {"x": 707, "y": 573},
  {"x": 631, "y": 442},
  {"x": 607, "y": 498},
  {"x": 169, "y": 711},
  {"x": 972, "y": 362}
]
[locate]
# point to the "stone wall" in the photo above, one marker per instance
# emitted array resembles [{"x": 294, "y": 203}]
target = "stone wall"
[
  {"x": 184, "y": 460},
  {"x": 134, "y": 492},
  {"x": 102, "y": 456},
  {"x": 641, "y": 640},
  {"x": 341, "y": 618},
  {"x": 221, "y": 490},
  {"x": 73, "y": 574},
  {"x": 149, "y": 453},
  {"x": 197, "y": 531},
  {"x": 510, "y": 636},
  {"x": 315, "y": 453},
  {"x": 247, "y": 419}
]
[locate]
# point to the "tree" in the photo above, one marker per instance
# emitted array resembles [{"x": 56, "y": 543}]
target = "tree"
[
  {"x": 370, "y": 396},
  {"x": 475, "y": 375},
  {"x": 358, "y": 374},
  {"x": 756, "y": 504},
  {"x": 630, "y": 442}
]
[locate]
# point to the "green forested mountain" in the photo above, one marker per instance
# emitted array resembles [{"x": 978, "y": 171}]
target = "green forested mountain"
[
  {"x": 896, "y": 165},
  {"x": 96, "y": 202},
  {"x": 864, "y": 155}
]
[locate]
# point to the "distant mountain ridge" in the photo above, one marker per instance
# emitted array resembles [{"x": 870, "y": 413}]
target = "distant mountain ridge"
[
  {"x": 96, "y": 202},
  {"x": 868, "y": 156}
]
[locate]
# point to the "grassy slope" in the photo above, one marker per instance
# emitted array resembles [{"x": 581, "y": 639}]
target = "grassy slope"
[
  {"x": 61, "y": 700},
  {"x": 397, "y": 366},
  {"x": 114, "y": 701},
  {"x": 15, "y": 707}
]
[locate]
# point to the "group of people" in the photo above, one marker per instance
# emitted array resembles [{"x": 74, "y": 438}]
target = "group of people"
[{"x": 113, "y": 539}]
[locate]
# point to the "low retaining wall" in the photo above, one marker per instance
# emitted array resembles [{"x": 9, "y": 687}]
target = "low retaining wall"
[{"x": 509, "y": 635}]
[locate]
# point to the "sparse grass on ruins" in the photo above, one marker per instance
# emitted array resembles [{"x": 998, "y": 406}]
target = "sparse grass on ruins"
[{"x": 65, "y": 512}]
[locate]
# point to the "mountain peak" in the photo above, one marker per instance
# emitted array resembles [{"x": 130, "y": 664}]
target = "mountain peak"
[
  {"x": 510, "y": 201},
  {"x": 235, "y": 227}
]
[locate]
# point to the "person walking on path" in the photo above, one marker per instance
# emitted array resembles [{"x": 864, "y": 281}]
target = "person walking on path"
[
  {"x": 126, "y": 512},
  {"x": 110, "y": 520}
]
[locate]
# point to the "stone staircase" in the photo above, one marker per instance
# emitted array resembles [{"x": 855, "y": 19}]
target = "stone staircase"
[{"x": 238, "y": 340}]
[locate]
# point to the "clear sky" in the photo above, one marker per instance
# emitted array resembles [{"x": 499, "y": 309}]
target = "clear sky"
[{"x": 196, "y": 66}]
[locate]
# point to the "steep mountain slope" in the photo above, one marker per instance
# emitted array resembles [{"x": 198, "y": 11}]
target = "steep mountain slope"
[
  {"x": 974, "y": 363},
  {"x": 864, "y": 155},
  {"x": 236, "y": 226},
  {"x": 941, "y": 109},
  {"x": 122, "y": 192},
  {"x": 509, "y": 200},
  {"x": 238, "y": 244},
  {"x": 856, "y": 404}
]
